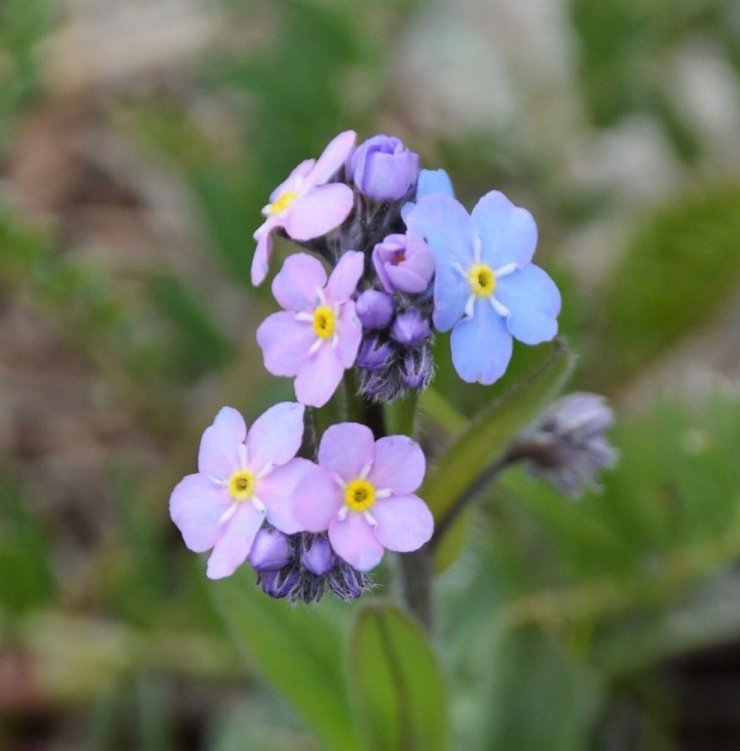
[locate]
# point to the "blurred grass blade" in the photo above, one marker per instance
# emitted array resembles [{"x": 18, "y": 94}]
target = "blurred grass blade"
[
  {"x": 298, "y": 650},
  {"x": 486, "y": 437},
  {"x": 396, "y": 683}
]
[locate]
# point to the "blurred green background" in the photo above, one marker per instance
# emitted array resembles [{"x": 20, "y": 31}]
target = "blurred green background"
[{"x": 138, "y": 141}]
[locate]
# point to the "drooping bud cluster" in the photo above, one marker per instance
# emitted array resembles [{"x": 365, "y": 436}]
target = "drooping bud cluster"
[{"x": 302, "y": 567}]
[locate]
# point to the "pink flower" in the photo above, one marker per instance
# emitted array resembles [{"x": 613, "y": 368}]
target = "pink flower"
[
  {"x": 305, "y": 206},
  {"x": 316, "y": 337},
  {"x": 367, "y": 500},
  {"x": 243, "y": 479}
]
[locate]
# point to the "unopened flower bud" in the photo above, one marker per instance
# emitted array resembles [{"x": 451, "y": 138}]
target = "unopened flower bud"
[
  {"x": 417, "y": 367},
  {"x": 281, "y": 583},
  {"x": 567, "y": 443},
  {"x": 383, "y": 169},
  {"x": 374, "y": 309},
  {"x": 404, "y": 263},
  {"x": 317, "y": 555},
  {"x": 375, "y": 353},
  {"x": 270, "y": 551},
  {"x": 410, "y": 328},
  {"x": 348, "y": 583}
]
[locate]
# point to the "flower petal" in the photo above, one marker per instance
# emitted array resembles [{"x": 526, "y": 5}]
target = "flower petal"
[
  {"x": 434, "y": 181},
  {"x": 196, "y": 505},
  {"x": 346, "y": 449},
  {"x": 405, "y": 523},
  {"x": 446, "y": 226},
  {"x": 295, "y": 179},
  {"x": 316, "y": 500},
  {"x": 350, "y": 335},
  {"x": 289, "y": 484},
  {"x": 481, "y": 346},
  {"x": 451, "y": 293},
  {"x": 398, "y": 464},
  {"x": 234, "y": 545},
  {"x": 218, "y": 456},
  {"x": 319, "y": 376},
  {"x": 285, "y": 343},
  {"x": 276, "y": 435},
  {"x": 343, "y": 280},
  {"x": 319, "y": 211},
  {"x": 294, "y": 286},
  {"x": 333, "y": 157},
  {"x": 354, "y": 541},
  {"x": 508, "y": 233},
  {"x": 534, "y": 301},
  {"x": 261, "y": 258}
]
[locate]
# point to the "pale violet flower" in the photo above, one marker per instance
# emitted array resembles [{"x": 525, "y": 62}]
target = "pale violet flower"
[
  {"x": 382, "y": 168},
  {"x": 485, "y": 288},
  {"x": 316, "y": 337},
  {"x": 403, "y": 263},
  {"x": 244, "y": 478},
  {"x": 306, "y": 205},
  {"x": 367, "y": 501}
]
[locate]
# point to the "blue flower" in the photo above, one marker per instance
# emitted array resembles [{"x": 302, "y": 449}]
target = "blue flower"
[
  {"x": 431, "y": 182},
  {"x": 485, "y": 288}
]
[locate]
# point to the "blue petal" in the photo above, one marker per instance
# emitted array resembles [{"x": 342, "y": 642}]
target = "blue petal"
[
  {"x": 534, "y": 302},
  {"x": 481, "y": 346},
  {"x": 446, "y": 226},
  {"x": 508, "y": 234},
  {"x": 433, "y": 181},
  {"x": 451, "y": 293}
]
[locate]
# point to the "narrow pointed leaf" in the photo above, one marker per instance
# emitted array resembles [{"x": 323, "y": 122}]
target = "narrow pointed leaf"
[{"x": 396, "y": 683}]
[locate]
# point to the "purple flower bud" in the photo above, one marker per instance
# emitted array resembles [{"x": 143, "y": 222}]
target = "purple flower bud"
[
  {"x": 374, "y": 309},
  {"x": 404, "y": 263},
  {"x": 567, "y": 444},
  {"x": 383, "y": 385},
  {"x": 281, "y": 583},
  {"x": 348, "y": 583},
  {"x": 270, "y": 551},
  {"x": 383, "y": 169},
  {"x": 417, "y": 368},
  {"x": 376, "y": 352},
  {"x": 411, "y": 328},
  {"x": 317, "y": 555}
]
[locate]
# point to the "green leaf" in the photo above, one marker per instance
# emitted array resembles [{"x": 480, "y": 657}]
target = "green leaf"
[
  {"x": 485, "y": 439},
  {"x": 396, "y": 683},
  {"x": 298, "y": 650}
]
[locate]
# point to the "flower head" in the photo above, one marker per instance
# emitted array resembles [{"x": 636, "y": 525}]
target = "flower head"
[
  {"x": 316, "y": 337},
  {"x": 367, "y": 501},
  {"x": 383, "y": 169},
  {"x": 306, "y": 205},
  {"x": 486, "y": 289},
  {"x": 403, "y": 263},
  {"x": 244, "y": 478}
]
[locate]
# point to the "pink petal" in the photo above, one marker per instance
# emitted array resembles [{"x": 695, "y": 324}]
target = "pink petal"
[
  {"x": 233, "y": 548},
  {"x": 333, "y": 157},
  {"x": 316, "y": 499},
  {"x": 319, "y": 377},
  {"x": 219, "y": 447},
  {"x": 196, "y": 505},
  {"x": 279, "y": 489},
  {"x": 319, "y": 211},
  {"x": 398, "y": 464},
  {"x": 343, "y": 280},
  {"x": 405, "y": 523},
  {"x": 353, "y": 539},
  {"x": 295, "y": 285},
  {"x": 295, "y": 180},
  {"x": 275, "y": 436},
  {"x": 285, "y": 343},
  {"x": 261, "y": 258},
  {"x": 349, "y": 335},
  {"x": 346, "y": 449}
]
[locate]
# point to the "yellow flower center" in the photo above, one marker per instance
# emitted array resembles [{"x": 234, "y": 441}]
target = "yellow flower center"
[
  {"x": 241, "y": 485},
  {"x": 482, "y": 280},
  {"x": 359, "y": 495},
  {"x": 282, "y": 202},
  {"x": 324, "y": 321}
]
